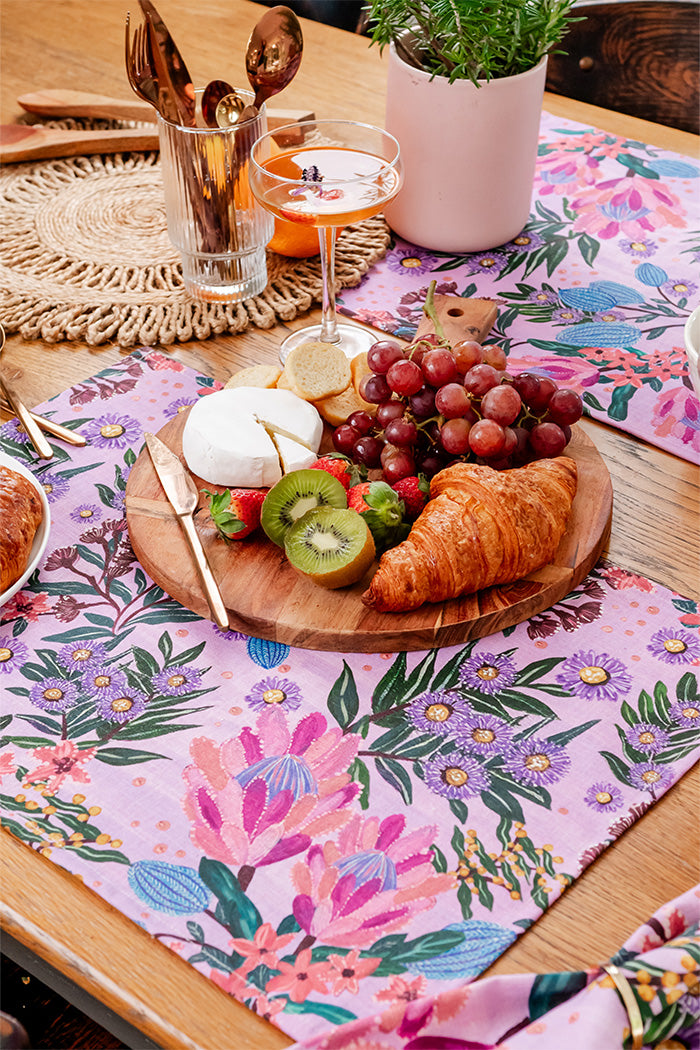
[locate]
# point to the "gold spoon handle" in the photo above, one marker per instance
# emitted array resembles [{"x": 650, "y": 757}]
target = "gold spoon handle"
[{"x": 43, "y": 449}]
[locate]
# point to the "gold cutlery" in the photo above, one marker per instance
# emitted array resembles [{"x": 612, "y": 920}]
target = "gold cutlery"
[
  {"x": 183, "y": 497},
  {"x": 41, "y": 445},
  {"x": 71, "y": 437}
]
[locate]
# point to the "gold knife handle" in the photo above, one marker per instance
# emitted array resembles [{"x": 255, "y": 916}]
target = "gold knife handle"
[
  {"x": 43, "y": 449},
  {"x": 211, "y": 588},
  {"x": 58, "y": 431}
]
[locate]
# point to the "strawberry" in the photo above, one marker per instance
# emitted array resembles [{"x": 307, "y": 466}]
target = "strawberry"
[
  {"x": 340, "y": 467},
  {"x": 235, "y": 512},
  {"x": 414, "y": 492},
  {"x": 383, "y": 511}
]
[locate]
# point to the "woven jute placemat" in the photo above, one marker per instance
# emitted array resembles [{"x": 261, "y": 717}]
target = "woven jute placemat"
[{"x": 85, "y": 254}]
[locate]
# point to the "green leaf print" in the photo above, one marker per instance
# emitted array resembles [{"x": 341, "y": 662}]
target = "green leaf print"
[
  {"x": 234, "y": 909},
  {"x": 343, "y": 701},
  {"x": 550, "y": 990}
]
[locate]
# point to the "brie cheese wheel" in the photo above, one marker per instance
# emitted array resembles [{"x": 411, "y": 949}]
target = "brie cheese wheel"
[{"x": 233, "y": 437}]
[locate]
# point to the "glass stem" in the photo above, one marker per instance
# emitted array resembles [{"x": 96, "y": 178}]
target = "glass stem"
[{"x": 329, "y": 327}]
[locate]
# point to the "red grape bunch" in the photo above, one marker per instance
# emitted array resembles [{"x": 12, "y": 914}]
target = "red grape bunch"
[{"x": 437, "y": 404}]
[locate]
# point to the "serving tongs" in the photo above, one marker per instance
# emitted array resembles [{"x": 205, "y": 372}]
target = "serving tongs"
[{"x": 33, "y": 423}]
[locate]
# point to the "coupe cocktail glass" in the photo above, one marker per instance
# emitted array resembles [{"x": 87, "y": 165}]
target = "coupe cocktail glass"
[{"x": 335, "y": 172}]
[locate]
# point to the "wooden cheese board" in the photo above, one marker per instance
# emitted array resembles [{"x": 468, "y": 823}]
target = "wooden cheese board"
[{"x": 267, "y": 598}]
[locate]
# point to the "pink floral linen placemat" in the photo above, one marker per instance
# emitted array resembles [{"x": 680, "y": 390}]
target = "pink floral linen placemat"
[
  {"x": 594, "y": 292},
  {"x": 321, "y": 834}
]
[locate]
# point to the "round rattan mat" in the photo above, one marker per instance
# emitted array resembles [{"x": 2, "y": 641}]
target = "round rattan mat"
[{"x": 85, "y": 255}]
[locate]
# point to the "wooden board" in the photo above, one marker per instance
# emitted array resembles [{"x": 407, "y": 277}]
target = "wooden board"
[{"x": 266, "y": 597}]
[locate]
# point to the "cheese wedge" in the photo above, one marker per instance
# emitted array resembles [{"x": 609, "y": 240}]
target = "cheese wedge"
[{"x": 231, "y": 437}]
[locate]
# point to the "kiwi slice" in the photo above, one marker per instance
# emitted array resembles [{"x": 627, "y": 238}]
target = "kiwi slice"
[
  {"x": 294, "y": 495},
  {"x": 333, "y": 547}
]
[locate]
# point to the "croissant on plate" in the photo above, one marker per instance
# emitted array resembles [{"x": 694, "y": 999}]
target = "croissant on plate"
[
  {"x": 480, "y": 527},
  {"x": 20, "y": 517}
]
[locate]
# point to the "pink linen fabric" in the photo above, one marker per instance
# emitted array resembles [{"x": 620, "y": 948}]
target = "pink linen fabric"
[
  {"x": 578, "y": 1010},
  {"x": 594, "y": 292},
  {"x": 321, "y": 834}
]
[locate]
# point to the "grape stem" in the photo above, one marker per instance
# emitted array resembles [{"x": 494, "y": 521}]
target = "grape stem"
[{"x": 431, "y": 313}]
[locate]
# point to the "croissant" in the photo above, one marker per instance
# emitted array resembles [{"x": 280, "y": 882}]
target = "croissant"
[
  {"x": 480, "y": 527},
  {"x": 20, "y": 517}
]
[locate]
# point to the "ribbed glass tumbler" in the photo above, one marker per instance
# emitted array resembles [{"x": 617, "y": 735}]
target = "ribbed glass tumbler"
[{"x": 213, "y": 218}]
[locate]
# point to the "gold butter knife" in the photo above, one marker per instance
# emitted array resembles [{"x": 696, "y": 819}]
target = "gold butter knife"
[{"x": 183, "y": 496}]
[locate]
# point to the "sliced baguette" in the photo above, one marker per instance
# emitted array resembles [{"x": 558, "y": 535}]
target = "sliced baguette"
[
  {"x": 315, "y": 371},
  {"x": 256, "y": 375},
  {"x": 336, "y": 409},
  {"x": 358, "y": 370}
]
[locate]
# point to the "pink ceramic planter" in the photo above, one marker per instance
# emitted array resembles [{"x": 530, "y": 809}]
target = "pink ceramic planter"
[{"x": 469, "y": 156}]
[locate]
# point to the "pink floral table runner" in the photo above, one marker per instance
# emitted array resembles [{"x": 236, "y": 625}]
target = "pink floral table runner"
[
  {"x": 322, "y": 834},
  {"x": 594, "y": 292}
]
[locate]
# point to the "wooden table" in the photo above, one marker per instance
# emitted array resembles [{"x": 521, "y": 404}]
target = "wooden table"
[{"x": 79, "y": 43}]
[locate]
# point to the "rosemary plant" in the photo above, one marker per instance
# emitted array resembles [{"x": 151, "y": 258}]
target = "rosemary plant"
[{"x": 470, "y": 39}]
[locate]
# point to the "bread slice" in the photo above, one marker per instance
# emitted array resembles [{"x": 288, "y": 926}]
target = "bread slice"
[
  {"x": 316, "y": 370},
  {"x": 256, "y": 375},
  {"x": 358, "y": 370},
  {"x": 336, "y": 409}
]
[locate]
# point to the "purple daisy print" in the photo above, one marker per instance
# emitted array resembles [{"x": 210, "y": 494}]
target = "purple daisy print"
[
  {"x": 14, "y": 431},
  {"x": 176, "y": 681},
  {"x": 486, "y": 262},
  {"x": 488, "y": 673},
  {"x": 274, "y": 692},
  {"x": 55, "y": 486},
  {"x": 439, "y": 713},
  {"x": 595, "y": 676},
  {"x": 175, "y": 407},
  {"x": 544, "y": 296},
  {"x": 54, "y": 694},
  {"x": 647, "y": 737},
  {"x": 526, "y": 241},
  {"x": 120, "y": 704},
  {"x": 411, "y": 260},
  {"x": 567, "y": 315},
  {"x": 13, "y": 654},
  {"x": 86, "y": 512},
  {"x": 101, "y": 677},
  {"x": 457, "y": 775},
  {"x": 112, "y": 431},
  {"x": 648, "y": 776},
  {"x": 538, "y": 761},
  {"x": 686, "y": 715},
  {"x": 639, "y": 249},
  {"x": 81, "y": 655},
  {"x": 679, "y": 289},
  {"x": 673, "y": 645},
  {"x": 485, "y": 734},
  {"x": 604, "y": 797}
]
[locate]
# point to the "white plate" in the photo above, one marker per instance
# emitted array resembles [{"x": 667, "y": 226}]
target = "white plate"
[
  {"x": 41, "y": 537},
  {"x": 692, "y": 347}
]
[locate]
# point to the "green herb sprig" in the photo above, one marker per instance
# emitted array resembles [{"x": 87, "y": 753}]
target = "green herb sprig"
[{"x": 470, "y": 39}]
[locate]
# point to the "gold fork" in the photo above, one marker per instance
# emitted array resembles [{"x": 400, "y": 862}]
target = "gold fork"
[{"x": 140, "y": 68}]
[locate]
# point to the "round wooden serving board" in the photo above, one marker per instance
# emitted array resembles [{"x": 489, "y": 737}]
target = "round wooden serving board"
[{"x": 267, "y": 598}]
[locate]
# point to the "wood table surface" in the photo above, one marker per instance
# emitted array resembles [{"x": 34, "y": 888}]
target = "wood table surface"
[{"x": 79, "y": 44}]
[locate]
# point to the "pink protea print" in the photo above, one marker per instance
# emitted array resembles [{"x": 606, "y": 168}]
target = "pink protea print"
[
  {"x": 368, "y": 883},
  {"x": 264, "y": 796},
  {"x": 8, "y": 764},
  {"x": 632, "y": 205},
  {"x": 676, "y": 414}
]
